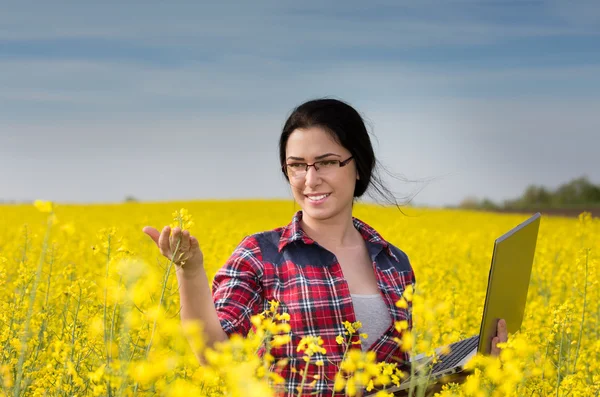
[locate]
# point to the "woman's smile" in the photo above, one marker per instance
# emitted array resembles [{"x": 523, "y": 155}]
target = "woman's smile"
[{"x": 318, "y": 199}]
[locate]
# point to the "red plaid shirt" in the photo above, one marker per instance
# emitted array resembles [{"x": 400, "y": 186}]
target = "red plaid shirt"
[{"x": 286, "y": 265}]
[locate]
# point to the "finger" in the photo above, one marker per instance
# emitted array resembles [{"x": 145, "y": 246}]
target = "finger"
[
  {"x": 185, "y": 237},
  {"x": 175, "y": 237},
  {"x": 184, "y": 247},
  {"x": 152, "y": 232},
  {"x": 495, "y": 351},
  {"x": 502, "y": 331},
  {"x": 185, "y": 240},
  {"x": 163, "y": 241},
  {"x": 194, "y": 243}
]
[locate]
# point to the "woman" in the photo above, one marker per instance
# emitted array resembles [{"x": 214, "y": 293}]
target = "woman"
[{"x": 324, "y": 268}]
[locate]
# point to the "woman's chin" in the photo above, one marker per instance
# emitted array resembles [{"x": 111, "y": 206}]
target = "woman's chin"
[{"x": 321, "y": 211}]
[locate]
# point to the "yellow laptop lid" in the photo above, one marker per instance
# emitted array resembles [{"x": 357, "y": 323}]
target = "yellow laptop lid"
[{"x": 508, "y": 280}]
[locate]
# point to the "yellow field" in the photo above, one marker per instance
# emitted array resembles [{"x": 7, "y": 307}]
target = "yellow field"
[{"x": 104, "y": 318}]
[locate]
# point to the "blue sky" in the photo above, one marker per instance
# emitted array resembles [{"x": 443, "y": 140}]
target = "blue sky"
[{"x": 162, "y": 100}]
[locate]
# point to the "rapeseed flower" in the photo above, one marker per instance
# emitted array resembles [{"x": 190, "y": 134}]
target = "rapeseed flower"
[{"x": 100, "y": 306}]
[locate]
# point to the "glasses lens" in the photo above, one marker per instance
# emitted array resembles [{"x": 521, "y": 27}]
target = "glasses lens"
[
  {"x": 296, "y": 170},
  {"x": 327, "y": 165}
]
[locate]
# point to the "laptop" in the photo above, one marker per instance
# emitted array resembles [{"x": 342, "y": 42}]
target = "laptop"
[{"x": 506, "y": 295}]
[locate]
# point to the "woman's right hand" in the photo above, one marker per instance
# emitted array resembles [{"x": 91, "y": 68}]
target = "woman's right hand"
[{"x": 188, "y": 256}]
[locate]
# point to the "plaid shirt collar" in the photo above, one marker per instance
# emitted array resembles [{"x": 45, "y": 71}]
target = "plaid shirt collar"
[{"x": 375, "y": 242}]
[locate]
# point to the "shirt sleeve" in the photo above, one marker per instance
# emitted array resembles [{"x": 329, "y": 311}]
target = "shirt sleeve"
[{"x": 236, "y": 288}]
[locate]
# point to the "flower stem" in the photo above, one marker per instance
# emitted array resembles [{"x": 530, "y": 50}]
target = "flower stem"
[
  {"x": 32, "y": 294},
  {"x": 303, "y": 380},
  {"x": 587, "y": 254},
  {"x": 162, "y": 296}
]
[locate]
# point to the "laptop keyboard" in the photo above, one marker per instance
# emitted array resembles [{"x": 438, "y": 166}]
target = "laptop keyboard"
[{"x": 458, "y": 351}]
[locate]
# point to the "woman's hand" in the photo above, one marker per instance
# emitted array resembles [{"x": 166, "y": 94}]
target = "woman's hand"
[
  {"x": 501, "y": 336},
  {"x": 188, "y": 255}
]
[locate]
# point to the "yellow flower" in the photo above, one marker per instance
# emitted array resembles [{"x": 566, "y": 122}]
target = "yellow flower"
[
  {"x": 104, "y": 306},
  {"x": 282, "y": 316},
  {"x": 311, "y": 345},
  {"x": 44, "y": 206},
  {"x": 339, "y": 382},
  {"x": 280, "y": 340},
  {"x": 408, "y": 340},
  {"x": 408, "y": 292},
  {"x": 96, "y": 376},
  {"x": 182, "y": 219},
  {"x": 401, "y": 325},
  {"x": 471, "y": 385},
  {"x": 402, "y": 303},
  {"x": 274, "y": 305}
]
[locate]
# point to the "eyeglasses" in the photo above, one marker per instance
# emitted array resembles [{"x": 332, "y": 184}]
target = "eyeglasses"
[{"x": 323, "y": 167}]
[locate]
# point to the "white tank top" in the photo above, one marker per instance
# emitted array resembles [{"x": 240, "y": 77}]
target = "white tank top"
[{"x": 374, "y": 315}]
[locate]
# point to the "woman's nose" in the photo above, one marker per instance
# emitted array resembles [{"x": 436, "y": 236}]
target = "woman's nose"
[{"x": 312, "y": 177}]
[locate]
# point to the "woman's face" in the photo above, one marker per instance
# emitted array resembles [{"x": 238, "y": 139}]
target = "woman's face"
[{"x": 314, "y": 144}]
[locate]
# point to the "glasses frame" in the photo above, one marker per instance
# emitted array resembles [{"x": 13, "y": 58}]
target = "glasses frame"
[{"x": 341, "y": 164}]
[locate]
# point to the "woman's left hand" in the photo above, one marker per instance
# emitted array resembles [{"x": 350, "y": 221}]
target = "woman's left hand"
[{"x": 501, "y": 336}]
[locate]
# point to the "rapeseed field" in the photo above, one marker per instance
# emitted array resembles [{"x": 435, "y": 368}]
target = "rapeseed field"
[{"x": 90, "y": 307}]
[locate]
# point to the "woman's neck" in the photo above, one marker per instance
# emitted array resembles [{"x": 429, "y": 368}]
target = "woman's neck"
[{"x": 335, "y": 232}]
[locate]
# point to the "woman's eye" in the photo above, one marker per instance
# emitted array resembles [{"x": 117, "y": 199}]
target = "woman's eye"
[
  {"x": 297, "y": 165},
  {"x": 328, "y": 162}
]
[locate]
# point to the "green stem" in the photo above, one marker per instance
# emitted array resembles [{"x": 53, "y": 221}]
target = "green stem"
[
  {"x": 106, "y": 300},
  {"x": 301, "y": 387},
  {"x": 18, "y": 304},
  {"x": 112, "y": 323},
  {"x": 75, "y": 323},
  {"x": 124, "y": 332},
  {"x": 583, "y": 311},
  {"x": 25, "y": 336},
  {"x": 411, "y": 389},
  {"x": 105, "y": 320},
  {"x": 265, "y": 339},
  {"x": 343, "y": 358},
  {"x": 70, "y": 377},
  {"x": 562, "y": 334},
  {"x": 545, "y": 359},
  {"x": 162, "y": 296}
]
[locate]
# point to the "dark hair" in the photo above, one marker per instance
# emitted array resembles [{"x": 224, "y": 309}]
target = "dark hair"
[{"x": 346, "y": 127}]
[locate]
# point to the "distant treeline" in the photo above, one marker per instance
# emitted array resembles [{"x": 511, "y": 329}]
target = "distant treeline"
[{"x": 578, "y": 193}]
